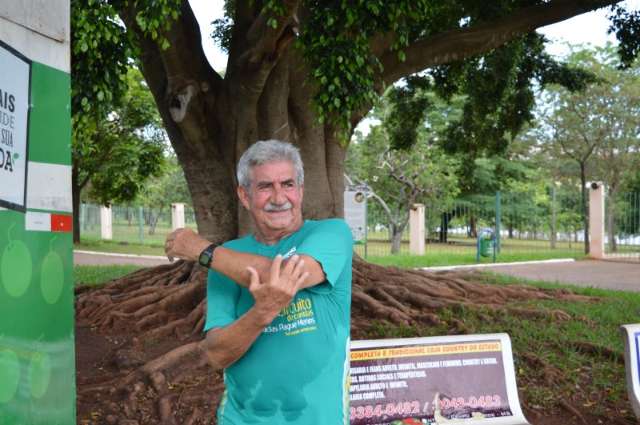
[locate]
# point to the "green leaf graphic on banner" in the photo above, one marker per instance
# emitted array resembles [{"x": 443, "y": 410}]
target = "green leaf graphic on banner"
[
  {"x": 39, "y": 374},
  {"x": 16, "y": 267},
  {"x": 9, "y": 375},
  {"x": 51, "y": 277}
]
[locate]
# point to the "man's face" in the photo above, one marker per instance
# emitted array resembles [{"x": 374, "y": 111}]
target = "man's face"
[{"x": 274, "y": 199}]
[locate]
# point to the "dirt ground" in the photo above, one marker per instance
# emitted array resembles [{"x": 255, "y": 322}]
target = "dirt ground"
[{"x": 100, "y": 362}]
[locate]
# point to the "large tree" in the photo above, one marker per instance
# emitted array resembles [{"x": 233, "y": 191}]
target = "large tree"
[
  {"x": 305, "y": 72},
  {"x": 300, "y": 71}
]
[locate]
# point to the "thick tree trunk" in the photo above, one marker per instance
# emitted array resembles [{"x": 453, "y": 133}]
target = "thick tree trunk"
[
  {"x": 396, "y": 239},
  {"x": 473, "y": 226},
  {"x": 211, "y": 122},
  {"x": 444, "y": 226}
]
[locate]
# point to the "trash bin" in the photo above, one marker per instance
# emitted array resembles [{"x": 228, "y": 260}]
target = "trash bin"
[
  {"x": 485, "y": 243},
  {"x": 485, "y": 246}
]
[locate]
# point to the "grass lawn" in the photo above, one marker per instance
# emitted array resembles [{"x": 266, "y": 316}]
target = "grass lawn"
[
  {"x": 584, "y": 377},
  {"x": 97, "y": 275},
  {"x": 120, "y": 247},
  {"x": 438, "y": 258}
]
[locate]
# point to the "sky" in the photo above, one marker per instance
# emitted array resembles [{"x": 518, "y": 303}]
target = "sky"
[{"x": 589, "y": 28}]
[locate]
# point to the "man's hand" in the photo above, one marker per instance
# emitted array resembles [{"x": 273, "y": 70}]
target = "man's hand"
[
  {"x": 184, "y": 244},
  {"x": 272, "y": 296}
]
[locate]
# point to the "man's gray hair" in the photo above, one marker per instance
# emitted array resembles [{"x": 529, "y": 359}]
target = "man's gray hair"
[{"x": 265, "y": 151}]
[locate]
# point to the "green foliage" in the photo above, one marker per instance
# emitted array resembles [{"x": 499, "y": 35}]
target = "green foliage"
[
  {"x": 99, "y": 59},
  {"x": 117, "y": 151},
  {"x": 168, "y": 188},
  {"x": 102, "y": 50},
  {"x": 626, "y": 25},
  {"x": 598, "y": 125},
  {"x": 398, "y": 177},
  {"x": 338, "y": 44}
]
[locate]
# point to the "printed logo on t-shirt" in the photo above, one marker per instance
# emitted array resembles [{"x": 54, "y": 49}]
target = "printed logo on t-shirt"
[
  {"x": 289, "y": 253},
  {"x": 296, "y": 318}
]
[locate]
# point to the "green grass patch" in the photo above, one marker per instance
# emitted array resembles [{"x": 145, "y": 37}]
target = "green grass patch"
[
  {"x": 120, "y": 247},
  {"x": 594, "y": 379},
  {"x": 439, "y": 258},
  {"x": 97, "y": 275}
]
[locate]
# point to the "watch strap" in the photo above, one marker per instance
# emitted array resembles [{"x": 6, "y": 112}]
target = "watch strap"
[{"x": 206, "y": 256}]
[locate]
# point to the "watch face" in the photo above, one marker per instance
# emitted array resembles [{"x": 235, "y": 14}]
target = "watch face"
[{"x": 204, "y": 259}]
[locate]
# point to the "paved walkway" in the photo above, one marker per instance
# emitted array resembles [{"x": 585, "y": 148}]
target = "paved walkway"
[
  {"x": 89, "y": 258},
  {"x": 588, "y": 273}
]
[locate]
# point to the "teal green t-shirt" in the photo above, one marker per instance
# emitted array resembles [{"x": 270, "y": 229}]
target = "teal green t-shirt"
[{"x": 296, "y": 372}]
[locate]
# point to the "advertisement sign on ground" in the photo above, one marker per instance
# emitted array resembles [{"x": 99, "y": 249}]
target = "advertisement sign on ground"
[{"x": 431, "y": 381}]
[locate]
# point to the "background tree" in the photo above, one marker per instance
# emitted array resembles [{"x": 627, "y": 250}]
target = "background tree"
[
  {"x": 117, "y": 147},
  {"x": 400, "y": 178},
  {"x": 596, "y": 128},
  {"x": 158, "y": 194}
]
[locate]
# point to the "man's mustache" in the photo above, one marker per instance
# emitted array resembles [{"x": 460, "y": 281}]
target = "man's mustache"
[{"x": 269, "y": 207}]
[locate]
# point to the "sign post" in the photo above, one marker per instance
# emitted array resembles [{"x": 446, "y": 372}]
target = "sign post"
[
  {"x": 37, "y": 356},
  {"x": 355, "y": 214}
]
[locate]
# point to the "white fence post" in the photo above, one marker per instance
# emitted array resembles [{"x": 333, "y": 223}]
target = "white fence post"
[
  {"x": 596, "y": 220},
  {"x": 416, "y": 229},
  {"x": 177, "y": 216},
  {"x": 106, "y": 223}
]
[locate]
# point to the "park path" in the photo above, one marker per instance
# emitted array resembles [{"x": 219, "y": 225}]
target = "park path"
[
  {"x": 90, "y": 258},
  {"x": 586, "y": 273}
]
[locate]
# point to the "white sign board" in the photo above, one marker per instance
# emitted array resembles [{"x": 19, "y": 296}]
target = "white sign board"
[
  {"x": 457, "y": 379},
  {"x": 14, "y": 117},
  {"x": 355, "y": 214}
]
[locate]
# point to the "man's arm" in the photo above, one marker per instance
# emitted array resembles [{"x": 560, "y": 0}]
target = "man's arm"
[
  {"x": 224, "y": 346},
  {"x": 187, "y": 245}
]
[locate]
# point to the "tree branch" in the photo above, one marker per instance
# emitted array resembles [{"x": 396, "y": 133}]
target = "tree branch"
[{"x": 466, "y": 42}]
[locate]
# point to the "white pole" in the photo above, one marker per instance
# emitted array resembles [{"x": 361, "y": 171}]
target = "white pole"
[
  {"x": 596, "y": 220},
  {"x": 106, "y": 223},
  {"x": 177, "y": 216},
  {"x": 416, "y": 230}
]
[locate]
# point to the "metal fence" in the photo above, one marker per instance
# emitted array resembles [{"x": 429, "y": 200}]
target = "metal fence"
[
  {"x": 527, "y": 227},
  {"x": 622, "y": 226},
  {"x": 549, "y": 226},
  {"x": 132, "y": 224}
]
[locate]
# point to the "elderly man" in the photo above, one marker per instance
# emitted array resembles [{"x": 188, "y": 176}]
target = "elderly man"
[{"x": 278, "y": 300}]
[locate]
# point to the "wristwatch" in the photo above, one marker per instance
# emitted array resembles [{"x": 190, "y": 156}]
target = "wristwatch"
[{"x": 206, "y": 256}]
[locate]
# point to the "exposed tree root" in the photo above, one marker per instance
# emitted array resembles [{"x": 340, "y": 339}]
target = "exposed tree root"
[
  {"x": 170, "y": 300},
  {"x": 575, "y": 412},
  {"x": 598, "y": 350}
]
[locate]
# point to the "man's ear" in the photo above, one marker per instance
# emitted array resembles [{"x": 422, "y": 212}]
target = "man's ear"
[{"x": 243, "y": 196}]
